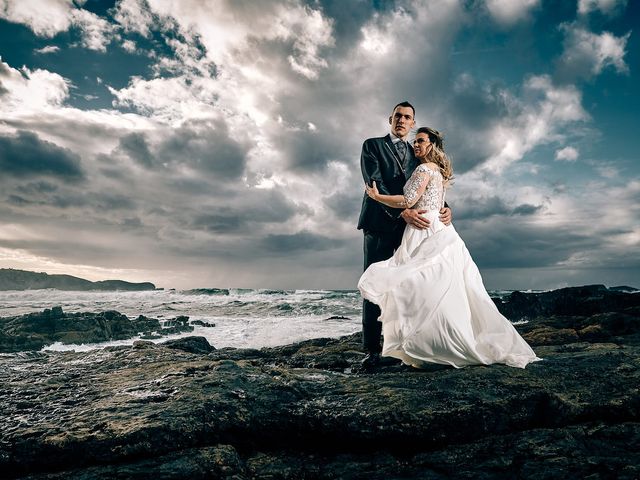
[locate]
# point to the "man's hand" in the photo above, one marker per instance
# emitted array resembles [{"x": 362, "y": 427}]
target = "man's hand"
[
  {"x": 415, "y": 218},
  {"x": 445, "y": 215}
]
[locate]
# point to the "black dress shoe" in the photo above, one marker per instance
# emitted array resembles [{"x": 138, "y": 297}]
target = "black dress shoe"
[{"x": 371, "y": 361}]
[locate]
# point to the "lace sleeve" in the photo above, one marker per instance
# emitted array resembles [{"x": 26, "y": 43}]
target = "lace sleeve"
[{"x": 416, "y": 185}]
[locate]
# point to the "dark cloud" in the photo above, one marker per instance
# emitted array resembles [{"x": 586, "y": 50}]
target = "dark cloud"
[
  {"x": 297, "y": 242},
  {"x": 34, "y": 188},
  {"x": 132, "y": 222},
  {"x": 219, "y": 222},
  {"x": 478, "y": 208},
  {"x": 26, "y": 155},
  {"x": 263, "y": 207},
  {"x": 526, "y": 209},
  {"x": 470, "y": 114},
  {"x": 68, "y": 197},
  {"x": 348, "y": 22},
  {"x": 206, "y": 147},
  {"x": 18, "y": 200},
  {"x": 507, "y": 244},
  {"x": 346, "y": 205},
  {"x": 135, "y": 146},
  {"x": 309, "y": 150}
]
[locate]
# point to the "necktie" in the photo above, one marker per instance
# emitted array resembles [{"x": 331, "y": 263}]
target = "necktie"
[{"x": 401, "y": 147}]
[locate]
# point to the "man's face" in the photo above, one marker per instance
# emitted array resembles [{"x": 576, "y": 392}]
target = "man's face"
[{"x": 401, "y": 121}]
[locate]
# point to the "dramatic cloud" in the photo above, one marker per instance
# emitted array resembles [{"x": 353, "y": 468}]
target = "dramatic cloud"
[{"x": 200, "y": 144}]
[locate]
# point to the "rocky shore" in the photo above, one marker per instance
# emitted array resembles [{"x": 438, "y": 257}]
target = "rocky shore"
[{"x": 184, "y": 409}]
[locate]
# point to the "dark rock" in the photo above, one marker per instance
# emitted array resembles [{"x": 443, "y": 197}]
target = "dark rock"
[
  {"x": 624, "y": 288},
  {"x": 202, "y": 324},
  {"x": 142, "y": 344},
  {"x": 190, "y": 344},
  {"x": 36, "y": 330},
  {"x": 572, "y": 301},
  {"x": 176, "y": 325},
  {"x": 296, "y": 411}
]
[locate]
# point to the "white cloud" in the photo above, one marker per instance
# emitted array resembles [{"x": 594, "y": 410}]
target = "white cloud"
[
  {"x": 48, "y": 49},
  {"x": 608, "y": 7},
  {"x": 173, "y": 100},
  {"x": 44, "y": 17},
  {"x": 311, "y": 32},
  {"x": 569, "y": 154},
  {"x": 129, "y": 46},
  {"x": 35, "y": 100},
  {"x": 509, "y": 12},
  {"x": 134, "y": 16},
  {"x": 586, "y": 53},
  {"x": 97, "y": 32},
  {"x": 48, "y": 17},
  {"x": 31, "y": 90},
  {"x": 231, "y": 28}
]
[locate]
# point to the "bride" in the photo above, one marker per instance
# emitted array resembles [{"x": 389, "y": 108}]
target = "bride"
[{"x": 434, "y": 305}]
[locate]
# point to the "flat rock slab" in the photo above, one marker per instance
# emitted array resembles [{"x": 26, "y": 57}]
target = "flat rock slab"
[{"x": 299, "y": 411}]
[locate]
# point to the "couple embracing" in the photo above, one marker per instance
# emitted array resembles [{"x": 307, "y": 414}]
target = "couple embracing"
[{"x": 422, "y": 290}]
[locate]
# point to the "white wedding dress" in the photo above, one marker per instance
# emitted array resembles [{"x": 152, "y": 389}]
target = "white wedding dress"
[{"x": 434, "y": 305}]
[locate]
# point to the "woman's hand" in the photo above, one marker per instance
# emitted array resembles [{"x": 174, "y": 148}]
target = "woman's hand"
[{"x": 372, "y": 191}]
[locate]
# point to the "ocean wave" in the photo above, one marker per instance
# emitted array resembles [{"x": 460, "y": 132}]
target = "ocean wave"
[{"x": 206, "y": 291}]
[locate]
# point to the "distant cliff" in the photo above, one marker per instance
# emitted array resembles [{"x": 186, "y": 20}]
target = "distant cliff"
[{"x": 11, "y": 279}]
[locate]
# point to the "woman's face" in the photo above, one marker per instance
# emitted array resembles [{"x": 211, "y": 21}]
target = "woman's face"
[{"x": 422, "y": 145}]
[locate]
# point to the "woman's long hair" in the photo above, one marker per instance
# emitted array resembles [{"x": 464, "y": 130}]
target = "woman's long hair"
[{"x": 437, "y": 155}]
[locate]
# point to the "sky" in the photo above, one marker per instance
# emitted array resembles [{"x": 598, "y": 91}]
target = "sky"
[{"x": 217, "y": 143}]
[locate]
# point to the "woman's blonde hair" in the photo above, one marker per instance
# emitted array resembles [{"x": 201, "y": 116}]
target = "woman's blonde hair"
[{"x": 437, "y": 155}]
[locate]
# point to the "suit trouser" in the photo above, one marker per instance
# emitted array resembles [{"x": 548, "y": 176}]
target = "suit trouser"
[{"x": 378, "y": 246}]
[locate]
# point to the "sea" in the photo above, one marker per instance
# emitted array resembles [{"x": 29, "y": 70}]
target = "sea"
[{"x": 243, "y": 318}]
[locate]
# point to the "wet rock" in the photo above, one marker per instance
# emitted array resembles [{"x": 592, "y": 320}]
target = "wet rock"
[
  {"x": 572, "y": 301},
  {"x": 176, "y": 325},
  {"x": 33, "y": 331},
  {"x": 202, "y": 323},
  {"x": 142, "y": 344},
  {"x": 298, "y": 411},
  {"x": 190, "y": 344}
]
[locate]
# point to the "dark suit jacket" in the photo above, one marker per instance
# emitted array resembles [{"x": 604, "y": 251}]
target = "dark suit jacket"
[{"x": 380, "y": 162}]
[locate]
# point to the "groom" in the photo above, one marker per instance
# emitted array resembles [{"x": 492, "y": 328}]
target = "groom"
[{"x": 389, "y": 161}]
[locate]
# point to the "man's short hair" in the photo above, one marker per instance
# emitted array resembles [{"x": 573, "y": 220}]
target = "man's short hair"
[{"x": 405, "y": 104}]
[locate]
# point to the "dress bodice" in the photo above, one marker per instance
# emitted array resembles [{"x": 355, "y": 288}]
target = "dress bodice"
[{"x": 433, "y": 196}]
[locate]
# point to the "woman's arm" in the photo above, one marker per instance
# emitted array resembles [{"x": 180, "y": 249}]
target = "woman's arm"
[
  {"x": 413, "y": 191},
  {"x": 393, "y": 201}
]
